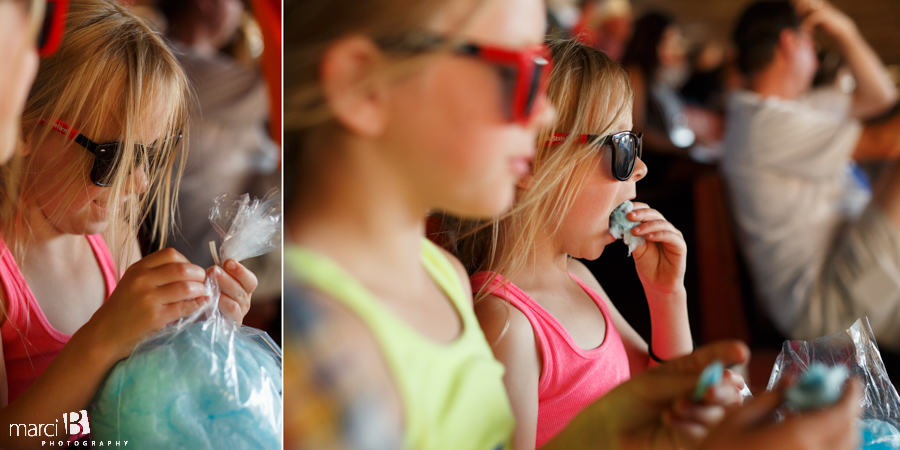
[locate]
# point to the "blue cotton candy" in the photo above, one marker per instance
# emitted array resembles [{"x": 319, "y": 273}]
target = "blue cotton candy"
[
  {"x": 207, "y": 385},
  {"x": 878, "y": 435},
  {"x": 620, "y": 227},
  {"x": 818, "y": 387},
  {"x": 711, "y": 376}
]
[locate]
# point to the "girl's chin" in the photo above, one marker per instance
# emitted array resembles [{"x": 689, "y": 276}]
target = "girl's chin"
[{"x": 484, "y": 207}]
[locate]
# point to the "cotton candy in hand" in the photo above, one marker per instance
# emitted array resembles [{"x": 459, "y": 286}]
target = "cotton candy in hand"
[
  {"x": 203, "y": 386},
  {"x": 711, "y": 376},
  {"x": 620, "y": 227},
  {"x": 819, "y": 386}
]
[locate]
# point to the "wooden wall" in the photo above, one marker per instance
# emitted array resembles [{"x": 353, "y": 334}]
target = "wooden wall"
[{"x": 879, "y": 20}]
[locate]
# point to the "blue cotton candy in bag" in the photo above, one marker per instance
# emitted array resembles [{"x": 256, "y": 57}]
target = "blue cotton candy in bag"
[
  {"x": 878, "y": 435},
  {"x": 821, "y": 367},
  {"x": 620, "y": 227},
  {"x": 199, "y": 388},
  {"x": 203, "y": 382},
  {"x": 818, "y": 387}
]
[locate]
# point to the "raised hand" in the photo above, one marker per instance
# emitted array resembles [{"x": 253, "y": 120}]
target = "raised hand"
[
  {"x": 158, "y": 289},
  {"x": 661, "y": 262}
]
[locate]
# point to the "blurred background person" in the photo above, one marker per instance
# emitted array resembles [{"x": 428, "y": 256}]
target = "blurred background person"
[
  {"x": 822, "y": 247},
  {"x": 657, "y": 60},
  {"x": 606, "y": 25},
  {"x": 219, "y": 44}
]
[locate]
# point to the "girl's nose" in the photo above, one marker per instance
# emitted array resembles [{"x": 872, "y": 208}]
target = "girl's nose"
[
  {"x": 640, "y": 170},
  {"x": 139, "y": 182}
]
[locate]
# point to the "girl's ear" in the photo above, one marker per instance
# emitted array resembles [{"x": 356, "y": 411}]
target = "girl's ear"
[
  {"x": 356, "y": 98},
  {"x": 525, "y": 182},
  {"x": 24, "y": 142}
]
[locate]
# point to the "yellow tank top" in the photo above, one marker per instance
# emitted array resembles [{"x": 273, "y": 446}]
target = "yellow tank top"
[{"x": 453, "y": 394}]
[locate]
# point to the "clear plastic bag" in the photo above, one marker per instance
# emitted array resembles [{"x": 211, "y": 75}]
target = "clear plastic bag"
[
  {"x": 856, "y": 350},
  {"x": 203, "y": 382}
]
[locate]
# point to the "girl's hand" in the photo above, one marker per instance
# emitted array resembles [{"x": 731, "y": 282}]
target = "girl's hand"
[
  {"x": 158, "y": 289},
  {"x": 752, "y": 427},
  {"x": 236, "y": 285},
  {"x": 633, "y": 414},
  {"x": 660, "y": 262},
  {"x": 693, "y": 420}
]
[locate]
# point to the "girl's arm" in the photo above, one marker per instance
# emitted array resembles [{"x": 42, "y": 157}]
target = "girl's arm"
[
  {"x": 660, "y": 264},
  {"x": 515, "y": 347},
  {"x": 153, "y": 292},
  {"x": 669, "y": 324}
]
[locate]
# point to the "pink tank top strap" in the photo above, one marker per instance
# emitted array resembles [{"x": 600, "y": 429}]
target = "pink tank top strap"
[
  {"x": 15, "y": 288},
  {"x": 496, "y": 284},
  {"x": 30, "y": 342},
  {"x": 598, "y": 299},
  {"x": 106, "y": 261}
]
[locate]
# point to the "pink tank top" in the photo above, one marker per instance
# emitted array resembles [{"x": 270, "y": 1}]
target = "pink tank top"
[
  {"x": 29, "y": 341},
  {"x": 571, "y": 377}
]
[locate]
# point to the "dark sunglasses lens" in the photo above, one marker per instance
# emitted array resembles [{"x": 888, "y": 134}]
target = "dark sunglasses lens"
[
  {"x": 508, "y": 78},
  {"x": 47, "y": 25},
  {"x": 624, "y": 155},
  {"x": 104, "y": 161},
  {"x": 537, "y": 75}
]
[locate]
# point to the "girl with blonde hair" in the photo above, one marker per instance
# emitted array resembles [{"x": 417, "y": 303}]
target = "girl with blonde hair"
[
  {"x": 563, "y": 343},
  {"x": 392, "y": 111},
  {"x": 102, "y": 129}
]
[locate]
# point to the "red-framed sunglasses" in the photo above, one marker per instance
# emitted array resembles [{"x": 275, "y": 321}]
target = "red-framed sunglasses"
[
  {"x": 106, "y": 154},
  {"x": 47, "y": 20},
  {"x": 525, "y": 72},
  {"x": 52, "y": 26},
  {"x": 627, "y": 148}
]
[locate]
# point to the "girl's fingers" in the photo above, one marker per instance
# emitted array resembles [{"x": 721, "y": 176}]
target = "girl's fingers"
[
  {"x": 651, "y": 226},
  {"x": 231, "y": 309},
  {"x": 671, "y": 240},
  {"x": 158, "y": 258},
  {"x": 175, "y": 271},
  {"x": 707, "y": 415},
  {"x": 179, "y": 291},
  {"x": 733, "y": 378},
  {"x": 245, "y": 277},
  {"x": 644, "y": 215},
  {"x": 231, "y": 288},
  {"x": 692, "y": 430},
  {"x": 178, "y": 310},
  {"x": 723, "y": 394},
  {"x": 640, "y": 205},
  {"x": 759, "y": 409}
]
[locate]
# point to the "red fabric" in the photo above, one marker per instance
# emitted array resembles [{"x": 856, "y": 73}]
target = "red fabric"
[
  {"x": 571, "y": 378},
  {"x": 268, "y": 14},
  {"x": 29, "y": 341}
]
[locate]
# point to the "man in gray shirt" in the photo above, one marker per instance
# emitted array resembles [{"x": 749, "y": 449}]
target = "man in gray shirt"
[{"x": 822, "y": 246}]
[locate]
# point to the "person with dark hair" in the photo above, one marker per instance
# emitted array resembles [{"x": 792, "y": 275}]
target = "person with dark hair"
[
  {"x": 823, "y": 250},
  {"x": 656, "y": 59}
]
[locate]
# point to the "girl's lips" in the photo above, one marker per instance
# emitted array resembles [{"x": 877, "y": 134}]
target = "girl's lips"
[{"x": 98, "y": 208}]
